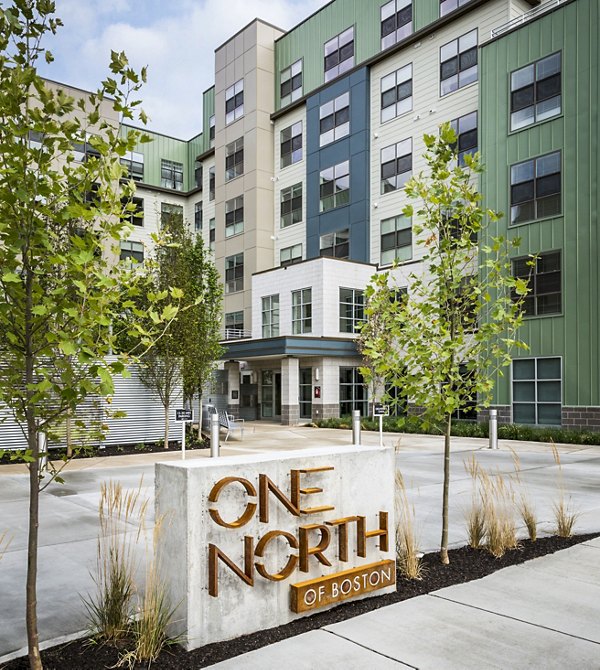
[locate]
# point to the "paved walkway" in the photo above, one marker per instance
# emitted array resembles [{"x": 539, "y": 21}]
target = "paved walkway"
[{"x": 69, "y": 526}]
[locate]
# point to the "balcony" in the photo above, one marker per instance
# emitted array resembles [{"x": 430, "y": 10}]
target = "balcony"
[
  {"x": 527, "y": 16},
  {"x": 235, "y": 334}
]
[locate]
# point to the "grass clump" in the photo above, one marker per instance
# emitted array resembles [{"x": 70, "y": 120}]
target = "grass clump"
[
  {"x": 409, "y": 558},
  {"x": 565, "y": 516}
]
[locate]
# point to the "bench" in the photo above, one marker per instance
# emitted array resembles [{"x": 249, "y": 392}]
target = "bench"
[{"x": 230, "y": 423}]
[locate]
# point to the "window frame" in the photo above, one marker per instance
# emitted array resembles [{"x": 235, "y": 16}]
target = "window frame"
[
  {"x": 456, "y": 126},
  {"x": 295, "y": 91},
  {"x": 534, "y": 294},
  {"x": 234, "y": 92},
  {"x": 334, "y": 109},
  {"x": 396, "y": 233},
  {"x": 386, "y": 44},
  {"x": 131, "y": 255},
  {"x": 233, "y": 331},
  {"x": 293, "y": 259},
  {"x": 234, "y": 159},
  {"x": 398, "y": 111},
  {"x": 234, "y": 216},
  {"x": 332, "y": 175},
  {"x": 234, "y": 274},
  {"x": 212, "y": 183},
  {"x": 535, "y": 380},
  {"x": 535, "y": 199},
  {"x": 294, "y": 143},
  {"x": 458, "y": 56},
  {"x": 402, "y": 175},
  {"x": 353, "y": 384},
  {"x": 456, "y": 4},
  {"x": 270, "y": 307},
  {"x": 131, "y": 159},
  {"x": 336, "y": 244},
  {"x": 348, "y": 62},
  {"x": 138, "y": 213},
  {"x": 198, "y": 216},
  {"x": 534, "y": 84},
  {"x": 302, "y": 311},
  {"x": 348, "y": 324},
  {"x": 169, "y": 209},
  {"x": 176, "y": 170},
  {"x": 290, "y": 195}
]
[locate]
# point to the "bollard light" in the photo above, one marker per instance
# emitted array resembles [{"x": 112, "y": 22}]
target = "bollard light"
[
  {"x": 356, "y": 427},
  {"x": 214, "y": 435}
]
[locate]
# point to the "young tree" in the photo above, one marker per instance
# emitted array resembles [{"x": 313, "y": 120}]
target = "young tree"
[
  {"x": 62, "y": 290},
  {"x": 442, "y": 343}
]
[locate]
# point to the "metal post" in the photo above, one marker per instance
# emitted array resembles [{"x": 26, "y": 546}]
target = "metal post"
[
  {"x": 356, "y": 427},
  {"x": 493, "y": 429},
  {"x": 183, "y": 439},
  {"x": 380, "y": 430},
  {"x": 43, "y": 460},
  {"x": 214, "y": 435}
]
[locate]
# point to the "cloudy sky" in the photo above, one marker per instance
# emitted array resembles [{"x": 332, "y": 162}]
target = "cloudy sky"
[{"x": 176, "y": 40}]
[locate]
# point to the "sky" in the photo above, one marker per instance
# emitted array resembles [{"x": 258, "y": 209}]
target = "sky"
[{"x": 176, "y": 40}]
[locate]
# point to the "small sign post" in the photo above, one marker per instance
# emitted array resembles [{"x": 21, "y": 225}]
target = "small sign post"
[
  {"x": 380, "y": 410},
  {"x": 183, "y": 415}
]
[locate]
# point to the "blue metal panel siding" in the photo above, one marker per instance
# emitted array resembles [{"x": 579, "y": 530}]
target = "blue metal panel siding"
[
  {"x": 354, "y": 147},
  {"x": 289, "y": 346}
]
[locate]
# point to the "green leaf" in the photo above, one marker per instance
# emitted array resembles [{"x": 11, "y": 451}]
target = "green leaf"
[{"x": 11, "y": 277}]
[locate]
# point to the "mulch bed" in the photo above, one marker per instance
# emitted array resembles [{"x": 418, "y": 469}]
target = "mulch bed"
[{"x": 466, "y": 564}]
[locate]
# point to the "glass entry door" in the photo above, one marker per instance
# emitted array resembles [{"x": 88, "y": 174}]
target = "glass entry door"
[
  {"x": 271, "y": 394},
  {"x": 305, "y": 393}
]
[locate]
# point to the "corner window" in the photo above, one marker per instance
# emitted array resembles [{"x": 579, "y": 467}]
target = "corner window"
[
  {"x": 535, "y": 189},
  {"x": 132, "y": 252},
  {"x": 302, "y": 311},
  {"x": 544, "y": 281},
  {"x": 291, "y": 83},
  {"x": 353, "y": 392},
  {"x": 171, "y": 175},
  {"x": 396, "y": 239},
  {"x": 234, "y": 159},
  {"x": 234, "y": 325},
  {"x": 396, "y": 22},
  {"x": 234, "y": 273},
  {"x": 234, "y": 102},
  {"x": 234, "y": 216},
  {"x": 334, "y": 119},
  {"x": 169, "y": 212},
  {"x": 211, "y": 183},
  {"x": 396, "y": 93},
  {"x": 535, "y": 92},
  {"x": 352, "y": 309},
  {"x": 134, "y": 162},
  {"x": 335, "y": 186},
  {"x": 198, "y": 216},
  {"x": 270, "y": 316},
  {"x": 336, "y": 245},
  {"x": 290, "y": 255},
  {"x": 136, "y": 216},
  {"x": 447, "y": 6},
  {"x": 211, "y": 129},
  {"x": 291, "y": 144},
  {"x": 458, "y": 63},
  {"x": 339, "y": 54},
  {"x": 465, "y": 128},
  {"x": 212, "y": 230},
  {"x": 537, "y": 391},
  {"x": 396, "y": 165},
  {"x": 291, "y": 205}
]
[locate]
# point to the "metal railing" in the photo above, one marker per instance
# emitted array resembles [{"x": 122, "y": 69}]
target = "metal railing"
[
  {"x": 236, "y": 334},
  {"x": 527, "y": 16}
]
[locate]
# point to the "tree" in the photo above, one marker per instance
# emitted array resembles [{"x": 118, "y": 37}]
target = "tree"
[
  {"x": 443, "y": 341},
  {"x": 62, "y": 290}
]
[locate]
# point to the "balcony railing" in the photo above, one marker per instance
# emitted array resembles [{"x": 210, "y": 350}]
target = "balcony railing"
[
  {"x": 531, "y": 14},
  {"x": 236, "y": 334}
]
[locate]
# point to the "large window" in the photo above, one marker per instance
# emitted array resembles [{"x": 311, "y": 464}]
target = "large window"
[
  {"x": 290, "y": 255},
  {"x": 396, "y": 165},
  {"x": 198, "y": 216},
  {"x": 334, "y": 119},
  {"x": 447, "y": 6},
  {"x": 234, "y": 273},
  {"x": 136, "y": 216},
  {"x": 335, "y": 186},
  {"x": 458, "y": 63},
  {"x": 211, "y": 183},
  {"x": 234, "y": 159},
  {"x": 396, "y": 239},
  {"x": 353, "y": 392},
  {"x": 134, "y": 162},
  {"x": 535, "y": 92},
  {"x": 234, "y": 102},
  {"x": 168, "y": 212},
  {"x": 396, "y": 22},
  {"x": 352, "y": 309},
  {"x": 132, "y": 251},
  {"x": 544, "y": 280},
  {"x": 396, "y": 93},
  {"x": 270, "y": 316},
  {"x": 291, "y": 83},
  {"x": 537, "y": 391},
  {"x": 535, "y": 187},
  {"x": 339, "y": 54},
  {"x": 465, "y": 128},
  {"x": 291, "y": 144},
  {"x": 302, "y": 311},
  {"x": 291, "y": 205},
  {"x": 171, "y": 174},
  {"x": 234, "y": 325},
  {"x": 336, "y": 245},
  {"x": 234, "y": 216}
]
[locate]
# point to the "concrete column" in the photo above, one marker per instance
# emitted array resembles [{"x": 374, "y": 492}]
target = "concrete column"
[
  {"x": 290, "y": 380},
  {"x": 233, "y": 383}
]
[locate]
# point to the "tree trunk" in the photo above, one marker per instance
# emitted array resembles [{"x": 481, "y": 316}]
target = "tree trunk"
[
  {"x": 444, "y": 545},
  {"x": 167, "y": 426},
  {"x": 68, "y": 435}
]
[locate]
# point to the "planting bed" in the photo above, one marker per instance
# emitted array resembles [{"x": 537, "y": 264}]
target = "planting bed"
[{"x": 466, "y": 564}]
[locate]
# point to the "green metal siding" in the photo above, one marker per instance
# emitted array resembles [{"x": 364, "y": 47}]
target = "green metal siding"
[
  {"x": 574, "y": 335},
  {"x": 208, "y": 109},
  {"x": 424, "y": 13}
]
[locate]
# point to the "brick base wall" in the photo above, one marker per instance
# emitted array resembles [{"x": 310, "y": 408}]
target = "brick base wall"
[
  {"x": 483, "y": 416},
  {"x": 585, "y": 418},
  {"x": 325, "y": 411},
  {"x": 290, "y": 415}
]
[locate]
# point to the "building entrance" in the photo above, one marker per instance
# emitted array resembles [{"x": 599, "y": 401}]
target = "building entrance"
[{"x": 271, "y": 394}]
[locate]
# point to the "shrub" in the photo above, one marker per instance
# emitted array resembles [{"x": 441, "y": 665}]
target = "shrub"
[{"x": 409, "y": 558}]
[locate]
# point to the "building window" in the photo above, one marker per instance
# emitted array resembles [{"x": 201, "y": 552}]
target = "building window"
[
  {"x": 291, "y": 144},
  {"x": 353, "y": 392},
  {"x": 537, "y": 391},
  {"x": 396, "y": 240},
  {"x": 211, "y": 129},
  {"x": 458, "y": 63},
  {"x": 396, "y": 165},
  {"x": 212, "y": 230},
  {"x": 198, "y": 216},
  {"x": 136, "y": 216},
  {"x": 335, "y": 186},
  {"x": 234, "y": 159},
  {"x": 396, "y": 22},
  {"x": 234, "y": 325},
  {"x": 211, "y": 183},
  {"x": 302, "y": 311},
  {"x": 234, "y": 102},
  {"x": 168, "y": 212},
  {"x": 171, "y": 174},
  {"x": 270, "y": 316},
  {"x": 305, "y": 392},
  {"x": 336, "y": 245},
  {"x": 535, "y": 92},
  {"x": 291, "y": 205},
  {"x": 198, "y": 175},
  {"x": 334, "y": 119},
  {"x": 535, "y": 189},
  {"x": 447, "y": 6},
  {"x": 544, "y": 280},
  {"x": 134, "y": 162},
  {"x": 234, "y": 216},
  {"x": 234, "y": 273},
  {"x": 352, "y": 309},
  {"x": 339, "y": 54},
  {"x": 290, "y": 255},
  {"x": 132, "y": 252},
  {"x": 291, "y": 83},
  {"x": 465, "y": 128},
  {"x": 396, "y": 93}
]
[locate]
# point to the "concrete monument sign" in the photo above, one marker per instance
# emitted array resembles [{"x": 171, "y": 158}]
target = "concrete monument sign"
[{"x": 253, "y": 542}]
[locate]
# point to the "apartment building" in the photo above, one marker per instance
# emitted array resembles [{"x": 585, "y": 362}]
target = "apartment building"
[{"x": 296, "y": 183}]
